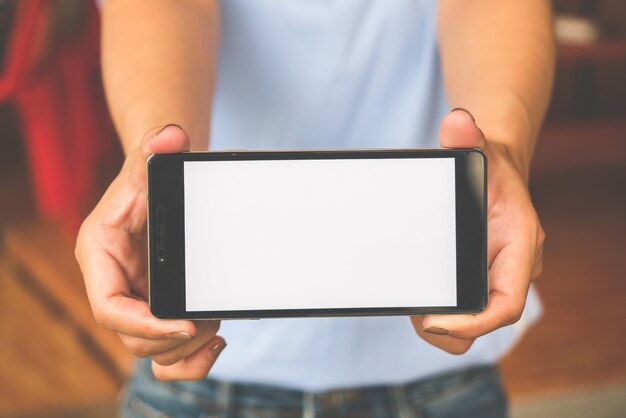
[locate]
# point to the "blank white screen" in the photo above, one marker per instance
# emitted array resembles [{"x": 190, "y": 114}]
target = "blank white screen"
[{"x": 306, "y": 234}]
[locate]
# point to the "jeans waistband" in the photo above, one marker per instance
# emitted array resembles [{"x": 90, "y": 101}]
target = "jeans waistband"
[{"x": 223, "y": 396}]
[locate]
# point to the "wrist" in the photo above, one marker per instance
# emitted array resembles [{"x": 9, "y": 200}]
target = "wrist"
[{"x": 507, "y": 123}]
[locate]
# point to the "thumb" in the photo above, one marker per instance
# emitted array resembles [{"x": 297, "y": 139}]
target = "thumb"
[
  {"x": 459, "y": 130},
  {"x": 166, "y": 139}
]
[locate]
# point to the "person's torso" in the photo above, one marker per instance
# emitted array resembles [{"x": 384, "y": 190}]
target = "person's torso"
[{"x": 332, "y": 74}]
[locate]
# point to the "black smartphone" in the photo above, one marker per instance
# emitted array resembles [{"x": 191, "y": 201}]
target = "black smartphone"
[{"x": 266, "y": 234}]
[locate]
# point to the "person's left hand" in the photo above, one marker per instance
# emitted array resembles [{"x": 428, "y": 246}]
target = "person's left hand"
[{"x": 514, "y": 248}]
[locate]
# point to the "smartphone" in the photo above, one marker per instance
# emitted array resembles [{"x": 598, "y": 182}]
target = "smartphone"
[{"x": 267, "y": 234}]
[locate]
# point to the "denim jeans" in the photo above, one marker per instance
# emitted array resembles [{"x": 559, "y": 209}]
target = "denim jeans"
[{"x": 472, "y": 392}]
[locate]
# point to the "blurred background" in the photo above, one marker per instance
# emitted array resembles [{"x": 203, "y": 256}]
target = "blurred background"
[{"x": 58, "y": 151}]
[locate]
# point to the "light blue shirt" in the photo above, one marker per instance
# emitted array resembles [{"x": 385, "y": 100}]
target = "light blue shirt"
[{"x": 333, "y": 74}]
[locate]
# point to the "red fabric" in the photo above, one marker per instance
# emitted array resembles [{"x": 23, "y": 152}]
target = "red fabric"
[
  {"x": 64, "y": 120},
  {"x": 23, "y": 30}
]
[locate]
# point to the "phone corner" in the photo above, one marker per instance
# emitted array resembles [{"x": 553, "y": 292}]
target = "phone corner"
[
  {"x": 483, "y": 305},
  {"x": 479, "y": 151},
  {"x": 156, "y": 313},
  {"x": 150, "y": 158}
]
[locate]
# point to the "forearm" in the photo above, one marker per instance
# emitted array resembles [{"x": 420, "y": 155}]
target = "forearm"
[
  {"x": 498, "y": 62},
  {"x": 158, "y": 59}
]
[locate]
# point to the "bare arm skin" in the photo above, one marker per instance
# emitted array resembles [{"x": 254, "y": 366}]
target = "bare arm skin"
[
  {"x": 158, "y": 61},
  {"x": 498, "y": 64}
]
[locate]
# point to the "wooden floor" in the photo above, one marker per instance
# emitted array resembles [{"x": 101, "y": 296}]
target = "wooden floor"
[
  {"x": 53, "y": 358},
  {"x": 44, "y": 363}
]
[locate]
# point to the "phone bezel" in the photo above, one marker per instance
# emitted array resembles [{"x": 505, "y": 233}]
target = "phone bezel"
[{"x": 167, "y": 279}]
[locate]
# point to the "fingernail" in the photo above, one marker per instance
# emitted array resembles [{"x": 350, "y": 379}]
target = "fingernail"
[
  {"x": 436, "y": 331},
  {"x": 179, "y": 335},
  {"x": 167, "y": 126},
  {"x": 466, "y": 111},
  {"x": 217, "y": 349}
]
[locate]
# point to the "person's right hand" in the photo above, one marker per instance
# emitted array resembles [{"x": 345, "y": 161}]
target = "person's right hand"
[{"x": 111, "y": 251}]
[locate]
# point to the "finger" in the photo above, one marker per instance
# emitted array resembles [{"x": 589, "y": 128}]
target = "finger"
[
  {"x": 183, "y": 351},
  {"x": 459, "y": 130},
  {"x": 113, "y": 307},
  {"x": 143, "y": 347},
  {"x": 500, "y": 311},
  {"x": 127, "y": 315},
  {"x": 510, "y": 277},
  {"x": 448, "y": 343},
  {"x": 194, "y": 367},
  {"x": 127, "y": 250}
]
